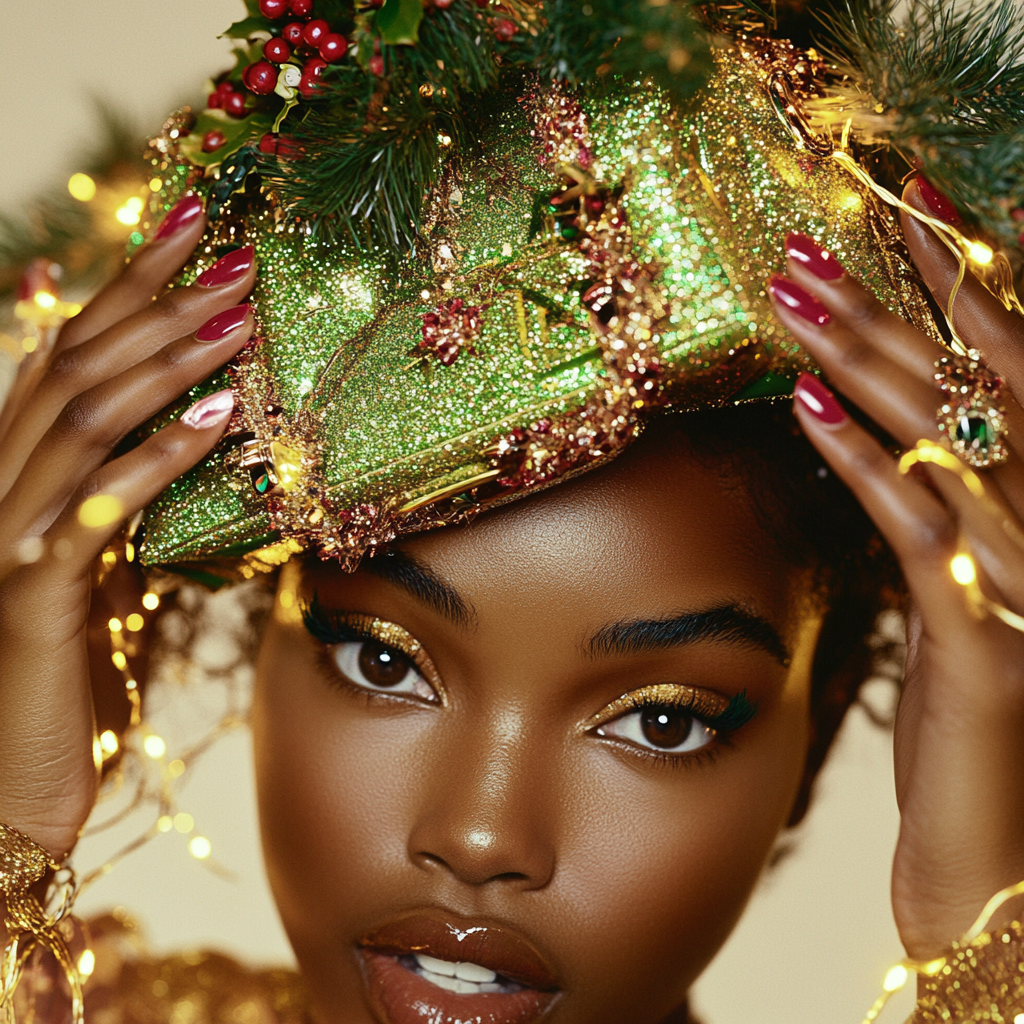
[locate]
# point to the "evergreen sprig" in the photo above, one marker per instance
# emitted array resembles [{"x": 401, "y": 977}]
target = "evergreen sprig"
[
  {"x": 62, "y": 229},
  {"x": 582, "y": 43},
  {"x": 943, "y": 84},
  {"x": 363, "y": 156}
]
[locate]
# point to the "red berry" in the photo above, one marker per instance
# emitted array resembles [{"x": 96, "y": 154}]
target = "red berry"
[
  {"x": 268, "y": 144},
  {"x": 314, "y": 32},
  {"x": 213, "y": 140},
  {"x": 308, "y": 86},
  {"x": 377, "y": 65},
  {"x": 273, "y": 9},
  {"x": 234, "y": 104},
  {"x": 292, "y": 32},
  {"x": 260, "y": 77},
  {"x": 301, "y": 8},
  {"x": 214, "y": 100},
  {"x": 276, "y": 50},
  {"x": 225, "y": 88},
  {"x": 314, "y": 67},
  {"x": 333, "y": 47},
  {"x": 504, "y": 29},
  {"x": 442, "y": 4}
]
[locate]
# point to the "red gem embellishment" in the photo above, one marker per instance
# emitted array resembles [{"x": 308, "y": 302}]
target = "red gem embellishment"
[{"x": 450, "y": 329}]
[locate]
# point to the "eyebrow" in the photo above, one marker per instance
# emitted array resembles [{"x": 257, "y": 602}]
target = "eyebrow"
[
  {"x": 404, "y": 571},
  {"x": 728, "y": 624}
]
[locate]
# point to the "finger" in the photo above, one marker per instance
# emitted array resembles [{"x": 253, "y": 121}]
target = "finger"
[
  {"x": 93, "y": 423},
  {"x": 145, "y": 275},
  {"x": 30, "y": 372},
  {"x": 978, "y": 316},
  {"x": 836, "y": 325},
  {"x": 821, "y": 274},
  {"x": 177, "y": 313},
  {"x": 44, "y": 684},
  {"x": 119, "y": 489},
  {"x": 991, "y": 531},
  {"x": 919, "y": 529},
  {"x": 894, "y": 397}
]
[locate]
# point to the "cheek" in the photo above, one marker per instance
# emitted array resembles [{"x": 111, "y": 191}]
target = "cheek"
[
  {"x": 335, "y": 801},
  {"x": 665, "y": 862}
]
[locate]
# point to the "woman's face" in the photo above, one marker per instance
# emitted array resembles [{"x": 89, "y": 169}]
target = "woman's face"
[{"x": 526, "y": 747}]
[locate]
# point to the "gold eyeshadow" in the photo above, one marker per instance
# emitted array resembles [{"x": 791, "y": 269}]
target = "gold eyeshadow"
[
  {"x": 369, "y": 627},
  {"x": 702, "y": 704}
]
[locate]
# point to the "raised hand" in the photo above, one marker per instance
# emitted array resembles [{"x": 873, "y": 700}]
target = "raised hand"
[
  {"x": 115, "y": 365},
  {"x": 959, "y": 742}
]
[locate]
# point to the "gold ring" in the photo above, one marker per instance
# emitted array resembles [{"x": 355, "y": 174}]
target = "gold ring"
[{"x": 971, "y": 416}]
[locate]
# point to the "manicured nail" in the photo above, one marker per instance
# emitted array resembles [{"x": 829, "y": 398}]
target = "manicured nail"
[
  {"x": 227, "y": 269},
  {"x": 940, "y": 205},
  {"x": 820, "y": 262},
  {"x": 813, "y": 395},
  {"x": 793, "y": 297},
  {"x": 221, "y": 325},
  {"x": 180, "y": 217},
  {"x": 209, "y": 411}
]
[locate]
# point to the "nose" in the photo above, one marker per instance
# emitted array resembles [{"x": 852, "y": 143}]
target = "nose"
[{"x": 486, "y": 813}]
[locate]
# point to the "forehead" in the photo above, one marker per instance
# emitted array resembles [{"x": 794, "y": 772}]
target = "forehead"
[{"x": 654, "y": 533}]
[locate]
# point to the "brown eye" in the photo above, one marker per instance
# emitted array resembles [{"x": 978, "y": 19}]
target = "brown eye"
[
  {"x": 661, "y": 727},
  {"x": 376, "y": 666},
  {"x": 382, "y": 665},
  {"x": 665, "y": 727}
]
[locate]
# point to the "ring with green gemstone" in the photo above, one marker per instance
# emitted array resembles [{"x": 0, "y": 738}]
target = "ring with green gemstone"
[{"x": 971, "y": 416}]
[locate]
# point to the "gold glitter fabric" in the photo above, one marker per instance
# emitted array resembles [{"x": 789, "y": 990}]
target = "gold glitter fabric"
[
  {"x": 598, "y": 258},
  {"x": 22, "y": 863},
  {"x": 128, "y": 986},
  {"x": 981, "y": 980}
]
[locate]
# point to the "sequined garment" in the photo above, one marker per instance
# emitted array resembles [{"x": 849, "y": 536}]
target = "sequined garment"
[
  {"x": 597, "y": 259},
  {"x": 981, "y": 980},
  {"x": 128, "y": 986}
]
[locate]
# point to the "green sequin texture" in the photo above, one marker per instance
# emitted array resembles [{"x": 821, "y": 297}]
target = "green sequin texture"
[{"x": 710, "y": 197}]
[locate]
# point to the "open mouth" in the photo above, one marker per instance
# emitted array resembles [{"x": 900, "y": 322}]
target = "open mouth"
[{"x": 422, "y": 968}]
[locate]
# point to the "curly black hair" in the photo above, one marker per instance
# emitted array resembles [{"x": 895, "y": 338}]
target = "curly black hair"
[{"x": 817, "y": 523}]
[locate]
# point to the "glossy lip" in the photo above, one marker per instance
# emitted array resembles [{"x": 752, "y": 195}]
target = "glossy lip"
[{"x": 449, "y": 937}]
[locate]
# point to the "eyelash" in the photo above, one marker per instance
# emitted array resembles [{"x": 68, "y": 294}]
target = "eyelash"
[
  {"x": 724, "y": 725},
  {"x": 331, "y": 627}
]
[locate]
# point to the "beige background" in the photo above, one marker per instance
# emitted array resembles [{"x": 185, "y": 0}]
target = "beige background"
[{"x": 818, "y": 935}]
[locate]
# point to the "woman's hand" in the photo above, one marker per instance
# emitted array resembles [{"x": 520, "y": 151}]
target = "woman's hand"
[
  {"x": 115, "y": 365},
  {"x": 959, "y": 742}
]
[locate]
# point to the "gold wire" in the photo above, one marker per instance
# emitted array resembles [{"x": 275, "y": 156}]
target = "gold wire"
[{"x": 929, "y": 452}]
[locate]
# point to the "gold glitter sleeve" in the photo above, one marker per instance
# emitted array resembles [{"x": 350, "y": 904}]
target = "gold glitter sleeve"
[
  {"x": 980, "y": 980},
  {"x": 31, "y": 927},
  {"x": 124, "y": 984}
]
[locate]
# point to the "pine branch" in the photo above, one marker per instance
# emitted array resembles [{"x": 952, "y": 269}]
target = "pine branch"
[
  {"x": 582, "y": 44},
  {"x": 944, "y": 86}
]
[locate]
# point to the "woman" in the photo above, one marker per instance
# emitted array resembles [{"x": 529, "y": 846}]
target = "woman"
[{"x": 466, "y": 747}]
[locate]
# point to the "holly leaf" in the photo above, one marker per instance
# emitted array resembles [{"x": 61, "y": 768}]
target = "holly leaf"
[
  {"x": 236, "y": 134},
  {"x": 245, "y": 28},
  {"x": 398, "y": 22}
]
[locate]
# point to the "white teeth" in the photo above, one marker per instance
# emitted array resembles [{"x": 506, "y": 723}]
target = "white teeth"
[
  {"x": 435, "y": 966},
  {"x": 474, "y": 972},
  {"x": 465, "y": 978}
]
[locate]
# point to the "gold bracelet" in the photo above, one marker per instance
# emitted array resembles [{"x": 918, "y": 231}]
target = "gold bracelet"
[{"x": 23, "y": 863}]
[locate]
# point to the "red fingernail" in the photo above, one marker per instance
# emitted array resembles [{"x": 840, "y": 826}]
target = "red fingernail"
[
  {"x": 228, "y": 268},
  {"x": 820, "y": 262},
  {"x": 209, "y": 411},
  {"x": 793, "y": 297},
  {"x": 180, "y": 217},
  {"x": 817, "y": 398},
  {"x": 940, "y": 205},
  {"x": 221, "y": 325}
]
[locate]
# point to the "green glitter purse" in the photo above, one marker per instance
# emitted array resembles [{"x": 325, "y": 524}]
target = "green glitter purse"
[{"x": 597, "y": 258}]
